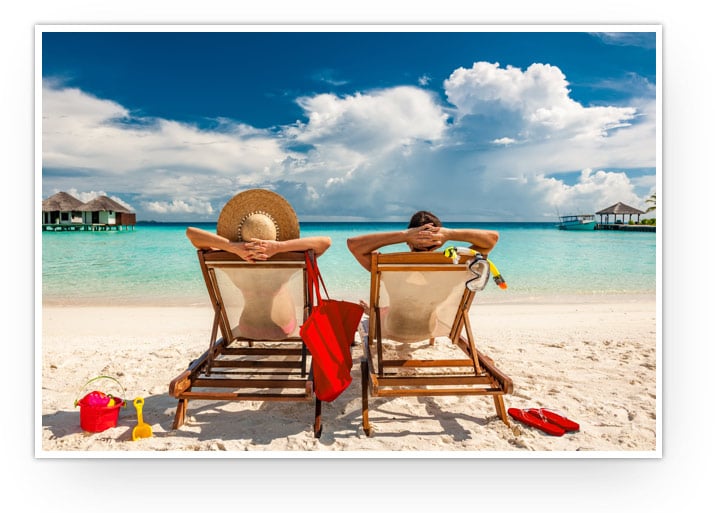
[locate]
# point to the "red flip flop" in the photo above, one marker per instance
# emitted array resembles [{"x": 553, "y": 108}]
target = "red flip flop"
[
  {"x": 555, "y": 418},
  {"x": 536, "y": 421}
]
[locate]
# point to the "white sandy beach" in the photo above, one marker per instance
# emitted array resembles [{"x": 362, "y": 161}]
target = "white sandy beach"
[{"x": 594, "y": 360}]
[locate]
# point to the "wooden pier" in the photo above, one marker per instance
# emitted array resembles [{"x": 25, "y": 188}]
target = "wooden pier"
[
  {"x": 79, "y": 227},
  {"x": 626, "y": 227}
]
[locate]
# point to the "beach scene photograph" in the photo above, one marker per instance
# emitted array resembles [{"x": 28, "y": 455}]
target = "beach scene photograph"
[
  {"x": 429, "y": 257},
  {"x": 547, "y": 141}
]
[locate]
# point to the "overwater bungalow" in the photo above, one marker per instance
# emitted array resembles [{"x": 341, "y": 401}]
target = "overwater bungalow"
[
  {"x": 62, "y": 212},
  {"x": 61, "y": 208},
  {"x": 619, "y": 211},
  {"x": 104, "y": 210}
]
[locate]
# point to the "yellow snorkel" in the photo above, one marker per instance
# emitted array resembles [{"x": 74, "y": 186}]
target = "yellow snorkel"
[
  {"x": 498, "y": 279},
  {"x": 454, "y": 253}
]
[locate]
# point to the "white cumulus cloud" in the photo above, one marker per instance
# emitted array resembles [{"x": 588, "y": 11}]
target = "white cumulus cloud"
[
  {"x": 493, "y": 153},
  {"x": 536, "y": 100},
  {"x": 370, "y": 122}
]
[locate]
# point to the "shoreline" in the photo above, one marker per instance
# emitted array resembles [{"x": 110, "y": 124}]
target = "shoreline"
[
  {"x": 595, "y": 360},
  {"x": 492, "y": 298}
]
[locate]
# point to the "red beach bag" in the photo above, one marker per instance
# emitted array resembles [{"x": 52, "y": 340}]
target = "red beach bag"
[{"x": 328, "y": 334}]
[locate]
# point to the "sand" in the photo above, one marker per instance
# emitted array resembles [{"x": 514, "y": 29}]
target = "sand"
[{"x": 594, "y": 359}]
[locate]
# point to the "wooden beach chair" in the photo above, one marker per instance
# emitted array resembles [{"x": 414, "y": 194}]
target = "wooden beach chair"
[
  {"x": 255, "y": 351},
  {"x": 419, "y": 304}
]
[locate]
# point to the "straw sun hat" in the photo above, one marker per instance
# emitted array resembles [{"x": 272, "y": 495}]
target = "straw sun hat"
[{"x": 258, "y": 214}]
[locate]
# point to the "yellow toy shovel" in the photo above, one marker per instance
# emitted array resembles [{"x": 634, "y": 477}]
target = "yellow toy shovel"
[{"x": 142, "y": 429}]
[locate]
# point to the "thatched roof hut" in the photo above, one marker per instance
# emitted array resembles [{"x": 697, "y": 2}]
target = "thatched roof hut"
[
  {"x": 104, "y": 203},
  {"x": 61, "y": 202},
  {"x": 62, "y": 211},
  {"x": 103, "y": 209},
  {"x": 620, "y": 209}
]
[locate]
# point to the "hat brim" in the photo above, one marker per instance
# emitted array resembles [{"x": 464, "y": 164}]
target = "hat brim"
[{"x": 252, "y": 201}]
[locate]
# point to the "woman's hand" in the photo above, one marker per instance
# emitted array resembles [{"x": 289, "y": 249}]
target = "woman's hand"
[
  {"x": 258, "y": 249},
  {"x": 240, "y": 249},
  {"x": 253, "y": 250}
]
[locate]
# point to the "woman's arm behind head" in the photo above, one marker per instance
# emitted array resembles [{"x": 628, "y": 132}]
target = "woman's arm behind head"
[{"x": 267, "y": 248}]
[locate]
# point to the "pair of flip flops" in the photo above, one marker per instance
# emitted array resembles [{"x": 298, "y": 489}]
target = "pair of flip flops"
[{"x": 546, "y": 420}]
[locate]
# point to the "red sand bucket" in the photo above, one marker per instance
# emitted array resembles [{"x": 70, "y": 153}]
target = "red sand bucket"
[{"x": 99, "y": 411}]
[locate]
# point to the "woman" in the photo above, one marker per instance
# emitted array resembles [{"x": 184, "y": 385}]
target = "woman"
[{"x": 256, "y": 225}]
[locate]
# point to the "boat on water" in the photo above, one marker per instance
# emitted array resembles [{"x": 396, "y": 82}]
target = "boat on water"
[{"x": 578, "y": 222}]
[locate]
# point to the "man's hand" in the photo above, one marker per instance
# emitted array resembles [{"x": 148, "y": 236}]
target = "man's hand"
[{"x": 425, "y": 238}]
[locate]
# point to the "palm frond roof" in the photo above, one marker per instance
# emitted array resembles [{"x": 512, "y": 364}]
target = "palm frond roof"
[
  {"x": 62, "y": 202},
  {"x": 103, "y": 203}
]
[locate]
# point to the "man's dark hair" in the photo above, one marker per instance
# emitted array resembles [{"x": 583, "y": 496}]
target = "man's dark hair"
[{"x": 422, "y": 218}]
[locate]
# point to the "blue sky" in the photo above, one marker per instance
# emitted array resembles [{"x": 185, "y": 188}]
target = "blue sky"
[{"x": 511, "y": 124}]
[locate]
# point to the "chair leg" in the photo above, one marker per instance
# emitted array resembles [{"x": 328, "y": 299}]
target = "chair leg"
[
  {"x": 365, "y": 417},
  {"x": 180, "y": 416},
  {"x": 501, "y": 409},
  {"x": 317, "y": 426},
  {"x": 303, "y": 360}
]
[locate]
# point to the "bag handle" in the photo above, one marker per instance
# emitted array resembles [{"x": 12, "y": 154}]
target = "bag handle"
[
  {"x": 314, "y": 276},
  {"x": 312, "y": 279}
]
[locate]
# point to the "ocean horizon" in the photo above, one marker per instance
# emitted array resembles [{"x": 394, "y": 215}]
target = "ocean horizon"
[{"x": 155, "y": 264}]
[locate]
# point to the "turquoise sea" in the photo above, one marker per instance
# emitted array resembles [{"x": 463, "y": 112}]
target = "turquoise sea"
[{"x": 156, "y": 265}]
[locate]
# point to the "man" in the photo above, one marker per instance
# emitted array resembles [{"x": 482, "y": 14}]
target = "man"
[{"x": 424, "y": 233}]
